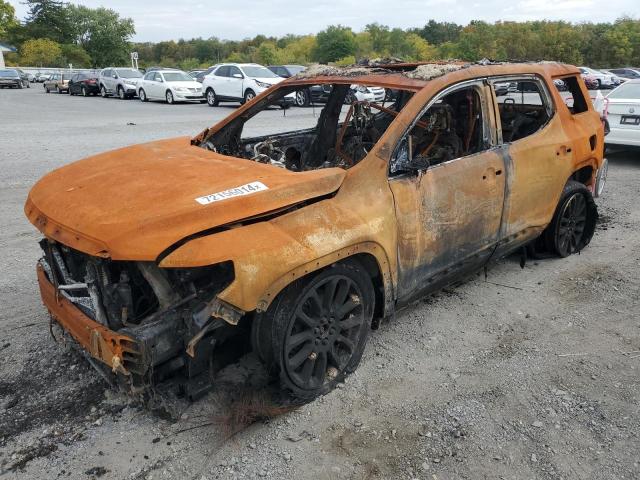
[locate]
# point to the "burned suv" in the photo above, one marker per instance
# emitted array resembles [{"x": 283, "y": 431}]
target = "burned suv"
[{"x": 292, "y": 236}]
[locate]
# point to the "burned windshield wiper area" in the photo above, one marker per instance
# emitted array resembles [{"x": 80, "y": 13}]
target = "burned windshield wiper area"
[{"x": 339, "y": 129}]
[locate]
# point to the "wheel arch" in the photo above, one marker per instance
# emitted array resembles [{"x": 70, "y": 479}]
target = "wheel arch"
[{"x": 369, "y": 255}]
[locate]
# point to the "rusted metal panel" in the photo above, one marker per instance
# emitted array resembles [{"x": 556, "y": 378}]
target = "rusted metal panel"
[
  {"x": 103, "y": 344},
  {"x": 161, "y": 208}
]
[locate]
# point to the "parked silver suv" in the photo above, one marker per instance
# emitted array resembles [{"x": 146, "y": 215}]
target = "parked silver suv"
[{"x": 119, "y": 81}]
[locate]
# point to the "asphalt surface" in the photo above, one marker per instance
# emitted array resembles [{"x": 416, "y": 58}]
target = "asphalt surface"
[{"x": 533, "y": 373}]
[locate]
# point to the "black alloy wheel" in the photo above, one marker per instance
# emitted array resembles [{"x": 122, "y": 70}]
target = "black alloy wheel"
[
  {"x": 315, "y": 331},
  {"x": 573, "y": 223}
]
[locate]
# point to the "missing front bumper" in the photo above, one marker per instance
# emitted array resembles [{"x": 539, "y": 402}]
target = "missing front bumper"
[{"x": 113, "y": 349}]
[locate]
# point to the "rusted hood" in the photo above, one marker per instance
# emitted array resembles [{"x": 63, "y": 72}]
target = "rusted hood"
[{"x": 135, "y": 202}]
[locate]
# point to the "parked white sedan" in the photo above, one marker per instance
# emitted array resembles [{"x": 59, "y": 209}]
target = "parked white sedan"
[
  {"x": 622, "y": 112},
  {"x": 171, "y": 86}
]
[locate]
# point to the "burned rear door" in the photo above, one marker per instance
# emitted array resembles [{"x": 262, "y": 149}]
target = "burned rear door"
[{"x": 448, "y": 185}]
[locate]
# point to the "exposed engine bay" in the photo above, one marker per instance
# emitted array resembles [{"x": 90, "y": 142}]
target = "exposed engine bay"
[{"x": 342, "y": 137}]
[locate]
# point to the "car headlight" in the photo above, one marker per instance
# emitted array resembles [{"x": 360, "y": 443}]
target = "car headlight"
[
  {"x": 181, "y": 89},
  {"x": 362, "y": 89},
  {"x": 262, "y": 84}
]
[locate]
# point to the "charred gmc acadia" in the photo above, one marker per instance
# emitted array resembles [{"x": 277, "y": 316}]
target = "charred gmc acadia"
[{"x": 168, "y": 260}]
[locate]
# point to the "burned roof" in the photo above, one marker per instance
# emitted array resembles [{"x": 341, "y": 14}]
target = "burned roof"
[{"x": 407, "y": 72}]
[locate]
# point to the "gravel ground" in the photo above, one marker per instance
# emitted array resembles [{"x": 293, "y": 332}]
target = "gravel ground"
[{"x": 533, "y": 373}]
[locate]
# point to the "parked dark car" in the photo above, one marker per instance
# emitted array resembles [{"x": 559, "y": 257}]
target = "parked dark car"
[
  {"x": 303, "y": 97},
  {"x": 629, "y": 73},
  {"x": 10, "y": 77},
  {"x": 84, "y": 84},
  {"x": 286, "y": 71}
]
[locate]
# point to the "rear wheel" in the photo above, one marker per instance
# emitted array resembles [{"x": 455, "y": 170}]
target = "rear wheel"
[
  {"x": 302, "y": 98},
  {"x": 142, "y": 95},
  {"x": 58, "y": 89},
  {"x": 84, "y": 91},
  {"x": 574, "y": 221},
  {"x": 315, "y": 331},
  {"x": 169, "y": 97}
]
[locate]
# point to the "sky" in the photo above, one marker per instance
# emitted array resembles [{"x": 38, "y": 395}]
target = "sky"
[{"x": 237, "y": 19}]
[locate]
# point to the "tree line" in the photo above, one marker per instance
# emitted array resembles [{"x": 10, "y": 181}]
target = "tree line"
[{"x": 55, "y": 33}]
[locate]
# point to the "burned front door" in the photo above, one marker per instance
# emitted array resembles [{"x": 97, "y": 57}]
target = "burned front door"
[{"x": 448, "y": 187}]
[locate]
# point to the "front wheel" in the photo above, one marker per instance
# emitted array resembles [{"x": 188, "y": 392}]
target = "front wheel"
[
  {"x": 212, "y": 98},
  {"x": 315, "y": 331},
  {"x": 103, "y": 91},
  {"x": 121, "y": 94},
  {"x": 574, "y": 221},
  {"x": 249, "y": 95},
  {"x": 84, "y": 91},
  {"x": 169, "y": 97}
]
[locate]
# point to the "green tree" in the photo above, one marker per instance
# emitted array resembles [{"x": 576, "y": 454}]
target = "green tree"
[
  {"x": 40, "y": 52},
  {"x": 74, "y": 54},
  {"x": 48, "y": 19},
  {"x": 267, "y": 53},
  {"x": 8, "y": 20},
  {"x": 103, "y": 34},
  {"x": 437, "y": 33},
  {"x": 478, "y": 41},
  {"x": 334, "y": 43}
]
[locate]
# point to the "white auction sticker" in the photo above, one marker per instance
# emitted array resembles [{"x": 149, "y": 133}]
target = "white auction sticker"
[{"x": 246, "y": 189}]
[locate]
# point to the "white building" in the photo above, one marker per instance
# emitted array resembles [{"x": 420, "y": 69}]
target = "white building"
[{"x": 4, "y": 48}]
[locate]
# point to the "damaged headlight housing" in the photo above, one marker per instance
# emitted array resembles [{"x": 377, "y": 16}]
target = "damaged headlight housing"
[
  {"x": 262, "y": 84},
  {"x": 362, "y": 89}
]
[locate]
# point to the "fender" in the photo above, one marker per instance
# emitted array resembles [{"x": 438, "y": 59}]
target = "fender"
[{"x": 267, "y": 256}]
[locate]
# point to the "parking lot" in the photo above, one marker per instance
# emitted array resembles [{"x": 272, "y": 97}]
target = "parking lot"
[{"x": 529, "y": 373}]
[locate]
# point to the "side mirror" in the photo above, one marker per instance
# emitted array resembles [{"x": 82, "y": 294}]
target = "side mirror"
[
  {"x": 115, "y": 75},
  {"x": 237, "y": 75}
]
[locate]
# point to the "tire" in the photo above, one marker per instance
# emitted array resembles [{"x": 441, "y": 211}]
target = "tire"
[
  {"x": 248, "y": 96},
  {"x": 212, "y": 98},
  {"x": 58, "y": 91},
  {"x": 121, "y": 94},
  {"x": 169, "y": 97},
  {"x": 103, "y": 91},
  {"x": 20, "y": 86},
  {"x": 302, "y": 98},
  {"x": 599, "y": 83},
  {"x": 573, "y": 222},
  {"x": 302, "y": 338},
  {"x": 142, "y": 95},
  {"x": 46, "y": 89},
  {"x": 83, "y": 90}
]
